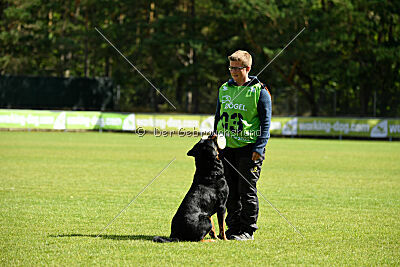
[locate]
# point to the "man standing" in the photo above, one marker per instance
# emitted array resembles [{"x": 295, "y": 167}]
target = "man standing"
[{"x": 243, "y": 115}]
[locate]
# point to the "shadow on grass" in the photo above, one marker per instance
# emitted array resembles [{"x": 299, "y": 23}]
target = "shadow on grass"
[{"x": 114, "y": 237}]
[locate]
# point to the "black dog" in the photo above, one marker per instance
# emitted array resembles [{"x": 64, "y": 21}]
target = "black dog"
[{"x": 206, "y": 196}]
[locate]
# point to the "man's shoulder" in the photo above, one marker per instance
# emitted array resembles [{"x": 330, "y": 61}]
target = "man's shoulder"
[
  {"x": 255, "y": 81},
  {"x": 263, "y": 86},
  {"x": 224, "y": 86}
]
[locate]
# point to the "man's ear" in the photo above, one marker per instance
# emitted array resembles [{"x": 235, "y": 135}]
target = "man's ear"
[{"x": 193, "y": 152}]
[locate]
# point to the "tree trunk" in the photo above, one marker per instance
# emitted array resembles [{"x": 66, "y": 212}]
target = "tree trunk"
[
  {"x": 86, "y": 49},
  {"x": 107, "y": 67},
  {"x": 195, "y": 85},
  {"x": 152, "y": 15}
]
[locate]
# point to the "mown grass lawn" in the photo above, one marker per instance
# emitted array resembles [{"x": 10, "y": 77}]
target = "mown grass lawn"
[{"x": 58, "y": 190}]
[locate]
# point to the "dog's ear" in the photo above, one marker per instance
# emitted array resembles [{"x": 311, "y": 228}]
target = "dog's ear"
[{"x": 193, "y": 152}]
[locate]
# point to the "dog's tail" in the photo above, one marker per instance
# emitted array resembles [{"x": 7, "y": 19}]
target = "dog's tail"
[{"x": 160, "y": 239}]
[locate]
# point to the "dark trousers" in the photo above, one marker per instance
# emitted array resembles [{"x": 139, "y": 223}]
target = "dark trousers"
[{"x": 242, "y": 204}]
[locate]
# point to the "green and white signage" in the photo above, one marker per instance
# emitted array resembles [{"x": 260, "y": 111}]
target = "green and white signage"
[
  {"x": 300, "y": 126},
  {"x": 286, "y": 126}
]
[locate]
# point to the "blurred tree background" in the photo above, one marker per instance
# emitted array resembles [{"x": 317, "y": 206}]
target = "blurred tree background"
[{"x": 346, "y": 62}]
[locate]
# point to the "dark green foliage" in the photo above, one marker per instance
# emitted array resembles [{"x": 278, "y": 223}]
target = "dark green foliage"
[{"x": 346, "y": 62}]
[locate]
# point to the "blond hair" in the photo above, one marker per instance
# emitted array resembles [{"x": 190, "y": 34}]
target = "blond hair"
[{"x": 242, "y": 56}]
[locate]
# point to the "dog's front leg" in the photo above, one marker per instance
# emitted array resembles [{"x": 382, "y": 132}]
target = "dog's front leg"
[
  {"x": 213, "y": 234},
  {"x": 221, "y": 217}
]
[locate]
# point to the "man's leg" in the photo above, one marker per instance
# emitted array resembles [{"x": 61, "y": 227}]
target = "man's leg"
[
  {"x": 248, "y": 194},
  {"x": 233, "y": 205}
]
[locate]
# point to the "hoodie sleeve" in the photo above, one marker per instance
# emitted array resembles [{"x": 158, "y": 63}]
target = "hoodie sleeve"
[{"x": 264, "y": 109}]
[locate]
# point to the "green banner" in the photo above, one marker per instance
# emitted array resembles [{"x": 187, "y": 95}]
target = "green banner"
[
  {"x": 182, "y": 124},
  {"x": 280, "y": 123},
  {"x": 335, "y": 127},
  {"x": 116, "y": 122},
  {"x": 174, "y": 122},
  {"x": 32, "y": 119},
  {"x": 370, "y": 128},
  {"x": 82, "y": 120}
]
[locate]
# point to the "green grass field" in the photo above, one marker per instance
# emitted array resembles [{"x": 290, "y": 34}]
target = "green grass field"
[{"x": 58, "y": 190}]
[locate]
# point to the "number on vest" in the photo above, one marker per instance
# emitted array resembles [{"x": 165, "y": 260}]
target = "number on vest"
[{"x": 236, "y": 120}]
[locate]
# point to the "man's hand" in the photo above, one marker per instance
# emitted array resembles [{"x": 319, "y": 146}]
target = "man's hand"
[{"x": 255, "y": 156}]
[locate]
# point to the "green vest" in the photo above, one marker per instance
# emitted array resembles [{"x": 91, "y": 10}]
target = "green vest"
[{"x": 239, "y": 120}]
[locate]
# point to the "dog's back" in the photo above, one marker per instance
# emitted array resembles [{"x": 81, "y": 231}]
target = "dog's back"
[{"x": 206, "y": 196}]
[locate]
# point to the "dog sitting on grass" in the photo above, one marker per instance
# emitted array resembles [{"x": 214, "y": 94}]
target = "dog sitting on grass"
[{"x": 206, "y": 196}]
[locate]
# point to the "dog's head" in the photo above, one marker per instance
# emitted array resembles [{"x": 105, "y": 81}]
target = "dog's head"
[{"x": 208, "y": 147}]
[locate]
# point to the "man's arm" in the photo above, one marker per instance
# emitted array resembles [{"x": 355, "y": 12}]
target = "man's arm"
[{"x": 264, "y": 109}]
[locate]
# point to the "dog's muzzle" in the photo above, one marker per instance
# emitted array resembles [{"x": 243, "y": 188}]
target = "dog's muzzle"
[{"x": 219, "y": 141}]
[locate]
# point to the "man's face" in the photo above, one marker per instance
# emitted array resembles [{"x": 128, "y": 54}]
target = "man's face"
[{"x": 239, "y": 75}]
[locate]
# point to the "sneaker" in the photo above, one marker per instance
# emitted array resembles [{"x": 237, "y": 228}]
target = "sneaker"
[
  {"x": 230, "y": 232},
  {"x": 243, "y": 237}
]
